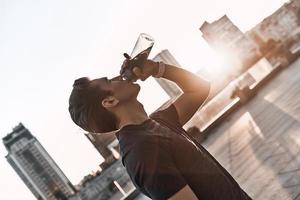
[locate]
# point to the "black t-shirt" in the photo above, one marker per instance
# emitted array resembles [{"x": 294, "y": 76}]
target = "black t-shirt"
[{"x": 161, "y": 159}]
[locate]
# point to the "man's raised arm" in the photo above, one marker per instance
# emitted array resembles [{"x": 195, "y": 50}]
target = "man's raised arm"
[{"x": 195, "y": 91}]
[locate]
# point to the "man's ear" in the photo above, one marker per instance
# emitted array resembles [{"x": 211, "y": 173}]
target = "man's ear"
[{"x": 109, "y": 102}]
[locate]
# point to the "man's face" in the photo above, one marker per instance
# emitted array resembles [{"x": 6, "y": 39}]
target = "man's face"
[{"x": 123, "y": 90}]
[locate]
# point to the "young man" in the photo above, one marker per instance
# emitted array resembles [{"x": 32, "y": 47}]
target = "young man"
[{"x": 161, "y": 160}]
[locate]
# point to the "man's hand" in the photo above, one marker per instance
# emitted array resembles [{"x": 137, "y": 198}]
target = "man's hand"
[{"x": 149, "y": 68}]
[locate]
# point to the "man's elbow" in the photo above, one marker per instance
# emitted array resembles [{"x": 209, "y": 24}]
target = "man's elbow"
[
  {"x": 204, "y": 90},
  {"x": 207, "y": 88}
]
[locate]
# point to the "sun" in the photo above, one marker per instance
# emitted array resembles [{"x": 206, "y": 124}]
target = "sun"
[{"x": 215, "y": 64}]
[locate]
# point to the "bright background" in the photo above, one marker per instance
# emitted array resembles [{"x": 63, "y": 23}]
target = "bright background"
[{"x": 45, "y": 45}]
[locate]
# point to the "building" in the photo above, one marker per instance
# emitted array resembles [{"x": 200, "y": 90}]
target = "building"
[
  {"x": 296, "y": 3},
  {"x": 169, "y": 87},
  {"x": 113, "y": 183},
  {"x": 280, "y": 26},
  {"x": 231, "y": 43},
  {"x": 35, "y": 167},
  {"x": 107, "y": 145}
]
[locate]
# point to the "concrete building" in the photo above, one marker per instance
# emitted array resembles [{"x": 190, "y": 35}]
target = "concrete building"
[
  {"x": 107, "y": 145},
  {"x": 35, "y": 167},
  {"x": 280, "y": 26},
  {"x": 231, "y": 43},
  {"x": 113, "y": 183}
]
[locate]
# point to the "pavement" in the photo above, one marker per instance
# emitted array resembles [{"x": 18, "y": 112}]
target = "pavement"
[{"x": 259, "y": 144}]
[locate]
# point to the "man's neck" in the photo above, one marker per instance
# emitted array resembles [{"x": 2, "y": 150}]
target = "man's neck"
[{"x": 131, "y": 113}]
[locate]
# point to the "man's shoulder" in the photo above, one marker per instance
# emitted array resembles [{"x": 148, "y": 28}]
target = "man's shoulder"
[
  {"x": 147, "y": 148},
  {"x": 148, "y": 143},
  {"x": 168, "y": 116},
  {"x": 169, "y": 111}
]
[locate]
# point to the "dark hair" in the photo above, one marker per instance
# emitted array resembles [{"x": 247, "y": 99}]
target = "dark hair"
[{"x": 86, "y": 109}]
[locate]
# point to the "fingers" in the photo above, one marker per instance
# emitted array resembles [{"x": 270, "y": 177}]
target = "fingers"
[
  {"x": 139, "y": 73},
  {"x": 126, "y": 55},
  {"x": 136, "y": 70},
  {"x": 126, "y": 61}
]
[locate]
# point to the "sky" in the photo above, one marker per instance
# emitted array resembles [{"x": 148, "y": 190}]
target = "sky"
[{"x": 46, "y": 45}]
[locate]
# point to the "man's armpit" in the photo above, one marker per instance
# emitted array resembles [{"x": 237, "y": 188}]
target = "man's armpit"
[{"x": 168, "y": 116}]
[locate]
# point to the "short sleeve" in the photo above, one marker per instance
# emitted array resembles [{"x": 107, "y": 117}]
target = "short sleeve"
[
  {"x": 169, "y": 116},
  {"x": 156, "y": 174}
]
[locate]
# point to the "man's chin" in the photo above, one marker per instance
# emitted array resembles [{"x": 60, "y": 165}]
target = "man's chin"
[
  {"x": 138, "y": 86},
  {"x": 135, "y": 84}
]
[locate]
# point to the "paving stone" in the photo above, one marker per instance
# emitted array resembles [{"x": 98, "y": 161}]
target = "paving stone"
[{"x": 260, "y": 143}]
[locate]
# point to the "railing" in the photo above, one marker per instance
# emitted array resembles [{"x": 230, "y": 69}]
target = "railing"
[{"x": 231, "y": 97}]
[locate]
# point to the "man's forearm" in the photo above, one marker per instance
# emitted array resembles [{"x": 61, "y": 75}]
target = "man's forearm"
[{"x": 187, "y": 81}]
